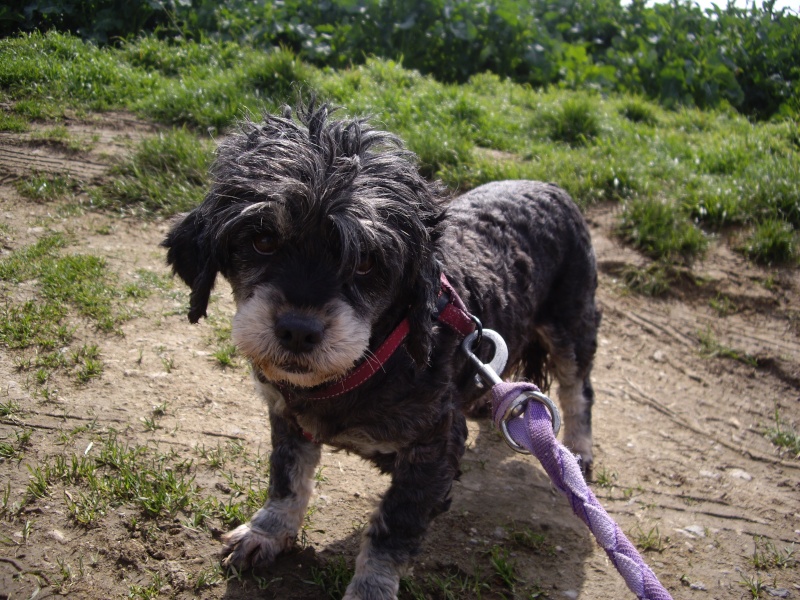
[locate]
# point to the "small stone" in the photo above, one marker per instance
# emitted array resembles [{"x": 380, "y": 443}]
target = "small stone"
[
  {"x": 778, "y": 592},
  {"x": 709, "y": 474},
  {"x": 693, "y": 531},
  {"x": 58, "y": 536},
  {"x": 659, "y": 356},
  {"x": 740, "y": 474},
  {"x": 570, "y": 594},
  {"x": 698, "y": 586}
]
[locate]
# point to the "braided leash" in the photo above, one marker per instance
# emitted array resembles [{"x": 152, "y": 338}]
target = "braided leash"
[{"x": 533, "y": 430}]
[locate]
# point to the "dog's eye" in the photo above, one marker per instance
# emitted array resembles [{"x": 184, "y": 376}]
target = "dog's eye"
[
  {"x": 266, "y": 244},
  {"x": 365, "y": 265}
]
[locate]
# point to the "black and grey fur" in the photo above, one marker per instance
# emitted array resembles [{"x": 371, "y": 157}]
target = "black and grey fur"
[{"x": 330, "y": 237}]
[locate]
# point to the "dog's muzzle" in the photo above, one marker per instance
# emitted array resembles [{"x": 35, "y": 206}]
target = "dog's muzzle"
[{"x": 299, "y": 333}]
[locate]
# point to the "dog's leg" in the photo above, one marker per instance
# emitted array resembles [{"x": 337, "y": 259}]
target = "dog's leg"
[
  {"x": 571, "y": 356},
  {"x": 274, "y": 527},
  {"x": 420, "y": 490}
]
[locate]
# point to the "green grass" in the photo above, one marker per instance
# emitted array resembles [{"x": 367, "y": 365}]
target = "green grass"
[
  {"x": 677, "y": 171},
  {"x": 773, "y": 242},
  {"x": 661, "y": 231},
  {"x": 784, "y": 436},
  {"x": 332, "y": 577},
  {"x": 710, "y": 347},
  {"x": 574, "y": 122},
  {"x": 166, "y": 174},
  {"x": 44, "y": 187},
  {"x": 67, "y": 286},
  {"x": 13, "y": 123},
  {"x": 60, "y": 137},
  {"x": 650, "y": 540},
  {"x": 767, "y": 556}
]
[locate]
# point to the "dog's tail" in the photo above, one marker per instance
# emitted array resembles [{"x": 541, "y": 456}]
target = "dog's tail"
[{"x": 533, "y": 367}]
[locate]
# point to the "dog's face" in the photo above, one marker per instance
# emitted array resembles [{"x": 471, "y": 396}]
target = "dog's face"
[{"x": 324, "y": 230}]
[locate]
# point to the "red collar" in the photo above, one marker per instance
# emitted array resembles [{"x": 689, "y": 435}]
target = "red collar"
[{"x": 450, "y": 310}]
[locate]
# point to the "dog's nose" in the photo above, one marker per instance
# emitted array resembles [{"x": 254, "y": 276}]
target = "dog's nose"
[{"x": 298, "y": 333}]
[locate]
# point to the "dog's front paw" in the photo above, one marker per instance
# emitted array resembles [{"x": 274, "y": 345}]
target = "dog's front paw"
[{"x": 247, "y": 546}]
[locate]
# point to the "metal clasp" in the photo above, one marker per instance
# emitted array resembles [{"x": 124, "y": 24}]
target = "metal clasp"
[
  {"x": 517, "y": 408},
  {"x": 488, "y": 373}
]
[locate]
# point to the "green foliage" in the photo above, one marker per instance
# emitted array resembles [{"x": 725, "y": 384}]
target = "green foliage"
[
  {"x": 44, "y": 187},
  {"x": 574, "y": 123},
  {"x": 675, "y": 52},
  {"x": 773, "y": 242},
  {"x": 167, "y": 174},
  {"x": 661, "y": 231}
]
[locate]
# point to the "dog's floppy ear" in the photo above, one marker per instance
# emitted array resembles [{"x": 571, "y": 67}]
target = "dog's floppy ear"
[
  {"x": 192, "y": 261},
  {"x": 424, "y": 292},
  {"x": 425, "y": 287}
]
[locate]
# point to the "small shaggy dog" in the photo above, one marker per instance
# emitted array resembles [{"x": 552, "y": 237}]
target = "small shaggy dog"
[{"x": 343, "y": 260}]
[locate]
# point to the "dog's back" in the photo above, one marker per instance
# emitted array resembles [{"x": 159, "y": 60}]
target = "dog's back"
[{"x": 522, "y": 254}]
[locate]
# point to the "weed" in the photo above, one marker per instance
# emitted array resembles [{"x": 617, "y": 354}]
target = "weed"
[
  {"x": 13, "y": 123},
  {"x": 661, "y": 231},
  {"x": 208, "y": 577},
  {"x": 710, "y": 347},
  {"x": 44, "y": 187},
  {"x": 165, "y": 175},
  {"x": 654, "y": 280},
  {"x": 14, "y": 450},
  {"x": 649, "y": 540},
  {"x": 784, "y": 436},
  {"x": 150, "y": 424},
  {"x": 525, "y": 537},
  {"x": 605, "y": 478},
  {"x": 637, "y": 110},
  {"x": 574, "y": 123},
  {"x": 226, "y": 355},
  {"x": 9, "y": 408},
  {"x": 332, "y": 577},
  {"x": 61, "y": 137},
  {"x": 168, "y": 362},
  {"x": 503, "y": 566},
  {"x": 723, "y": 305},
  {"x": 148, "y": 592},
  {"x": 766, "y": 555},
  {"x": 772, "y": 242},
  {"x": 753, "y": 585}
]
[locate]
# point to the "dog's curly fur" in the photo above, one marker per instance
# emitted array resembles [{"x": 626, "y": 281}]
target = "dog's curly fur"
[{"x": 330, "y": 237}]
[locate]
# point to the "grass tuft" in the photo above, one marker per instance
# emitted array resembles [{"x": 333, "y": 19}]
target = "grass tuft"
[
  {"x": 166, "y": 174},
  {"x": 637, "y": 110},
  {"x": 773, "y": 242},
  {"x": 784, "y": 436},
  {"x": 574, "y": 123},
  {"x": 661, "y": 231},
  {"x": 44, "y": 187}
]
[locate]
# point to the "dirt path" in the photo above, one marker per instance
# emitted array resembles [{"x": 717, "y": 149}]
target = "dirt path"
[{"x": 681, "y": 457}]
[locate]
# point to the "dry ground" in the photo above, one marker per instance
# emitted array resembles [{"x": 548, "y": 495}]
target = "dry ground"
[{"x": 682, "y": 461}]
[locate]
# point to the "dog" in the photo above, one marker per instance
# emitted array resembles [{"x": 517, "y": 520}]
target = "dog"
[{"x": 336, "y": 248}]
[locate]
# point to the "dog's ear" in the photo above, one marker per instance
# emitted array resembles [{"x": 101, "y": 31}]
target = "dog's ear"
[
  {"x": 191, "y": 260},
  {"x": 424, "y": 292}
]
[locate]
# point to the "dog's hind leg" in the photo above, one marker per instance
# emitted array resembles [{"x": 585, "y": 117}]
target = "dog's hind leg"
[
  {"x": 274, "y": 527},
  {"x": 571, "y": 348}
]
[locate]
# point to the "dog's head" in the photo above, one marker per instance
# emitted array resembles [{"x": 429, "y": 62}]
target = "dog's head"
[{"x": 323, "y": 228}]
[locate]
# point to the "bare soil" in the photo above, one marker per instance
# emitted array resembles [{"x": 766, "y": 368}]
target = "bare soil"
[{"x": 680, "y": 450}]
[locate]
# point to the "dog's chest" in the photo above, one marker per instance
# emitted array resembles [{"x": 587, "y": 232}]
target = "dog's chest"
[{"x": 345, "y": 434}]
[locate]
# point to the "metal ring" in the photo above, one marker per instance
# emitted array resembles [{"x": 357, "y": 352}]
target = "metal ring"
[
  {"x": 478, "y": 329},
  {"x": 517, "y": 407}
]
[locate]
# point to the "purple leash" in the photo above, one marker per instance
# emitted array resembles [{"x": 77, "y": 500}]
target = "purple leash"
[{"x": 532, "y": 430}]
